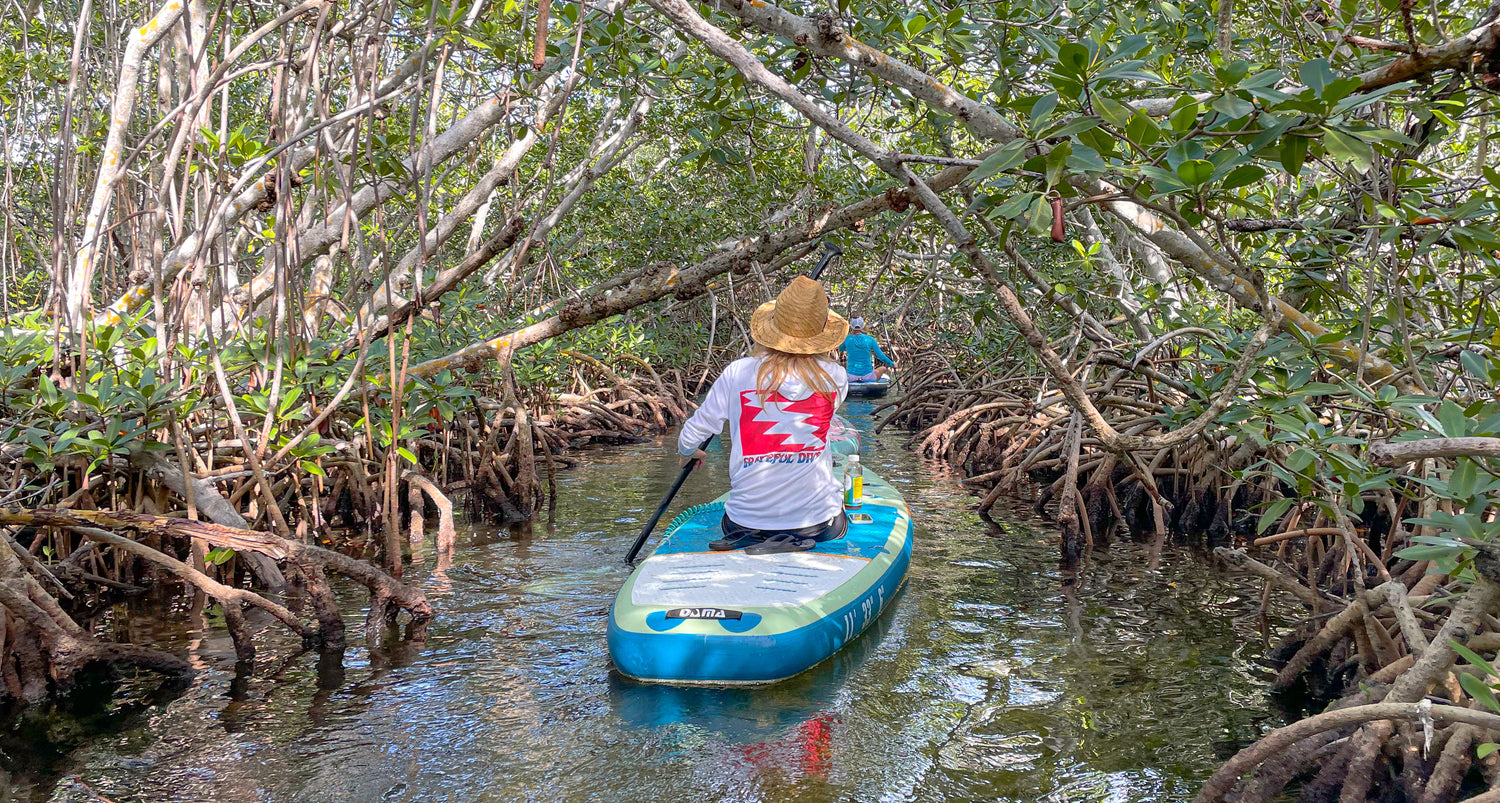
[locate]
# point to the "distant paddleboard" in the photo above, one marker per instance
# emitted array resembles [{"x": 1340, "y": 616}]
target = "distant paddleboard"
[{"x": 869, "y": 390}]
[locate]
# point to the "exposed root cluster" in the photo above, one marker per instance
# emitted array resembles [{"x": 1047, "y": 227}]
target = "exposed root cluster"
[
  {"x": 1403, "y": 712},
  {"x": 258, "y": 534},
  {"x": 1008, "y": 431},
  {"x": 1362, "y": 656},
  {"x": 615, "y": 408},
  {"x": 510, "y": 450},
  {"x": 92, "y": 556}
]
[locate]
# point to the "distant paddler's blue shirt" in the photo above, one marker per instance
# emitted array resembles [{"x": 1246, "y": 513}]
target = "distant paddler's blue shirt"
[{"x": 859, "y": 346}]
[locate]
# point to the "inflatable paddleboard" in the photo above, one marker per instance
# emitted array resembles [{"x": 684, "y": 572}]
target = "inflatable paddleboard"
[
  {"x": 869, "y": 390},
  {"x": 691, "y": 616}
]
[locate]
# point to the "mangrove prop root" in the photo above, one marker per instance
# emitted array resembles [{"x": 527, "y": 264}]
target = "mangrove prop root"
[
  {"x": 1374, "y": 739},
  {"x": 1238, "y": 559},
  {"x": 1392, "y": 671},
  {"x": 1277, "y": 771},
  {"x": 216, "y": 535},
  {"x": 1282, "y": 738},
  {"x": 1411, "y": 630},
  {"x": 521, "y": 446},
  {"x": 447, "y": 533},
  {"x": 209, "y": 502},
  {"x": 380, "y": 584},
  {"x": 1364, "y": 748},
  {"x": 1374, "y": 620},
  {"x": 1320, "y": 643},
  {"x": 229, "y": 597},
  {"x": 49, "y": 648},
  {"x": 325, "y": 605},
  {"x": 1451, "y": 766},
  {"x": 1324, "y": 786},
  {"x": 1068, "y": 507},
  {"x": 1407, "y": 751},
  {"x": 418, "y": 531},
  {"x": 1461, "y": 625},
  {"x": 999, "y": 431}
]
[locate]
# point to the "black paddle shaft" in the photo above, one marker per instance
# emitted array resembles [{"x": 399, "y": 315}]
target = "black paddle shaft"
[
  {"x": 829, "y": 252},
  {"x": 640, "y": 540}
]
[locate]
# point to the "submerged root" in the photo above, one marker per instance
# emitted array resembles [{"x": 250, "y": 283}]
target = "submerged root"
[{"x": 44, "y": 648}]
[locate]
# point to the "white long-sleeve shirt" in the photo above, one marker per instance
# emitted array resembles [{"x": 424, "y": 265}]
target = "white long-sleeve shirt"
[{"x": 780, "y": 466}]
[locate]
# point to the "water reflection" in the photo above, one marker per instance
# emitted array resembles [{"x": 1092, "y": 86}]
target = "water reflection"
[{"x": 990, "y": 678}]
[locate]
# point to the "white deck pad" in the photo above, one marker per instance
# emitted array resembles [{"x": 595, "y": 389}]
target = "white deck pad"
[{"x": 737, "y": 580}]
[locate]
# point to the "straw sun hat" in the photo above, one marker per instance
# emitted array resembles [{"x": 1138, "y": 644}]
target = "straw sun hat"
[{"x": 799, "y": 321}]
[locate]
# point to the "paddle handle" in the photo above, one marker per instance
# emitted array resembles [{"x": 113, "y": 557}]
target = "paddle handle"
[
  {"x": 830, "y": 250},
  {"x": 640, "y": 540}
]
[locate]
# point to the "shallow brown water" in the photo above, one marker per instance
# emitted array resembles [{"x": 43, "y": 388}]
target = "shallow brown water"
[{"x": 988, "y": 680}]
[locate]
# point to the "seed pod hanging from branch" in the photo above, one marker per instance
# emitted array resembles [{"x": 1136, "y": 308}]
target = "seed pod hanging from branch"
[{"x": 539, "y": 50}]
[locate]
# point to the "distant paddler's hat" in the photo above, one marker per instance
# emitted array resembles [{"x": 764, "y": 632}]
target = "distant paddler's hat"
[
  {"x": 856, "y": 323},
  {"x": 799, "y": 321}
]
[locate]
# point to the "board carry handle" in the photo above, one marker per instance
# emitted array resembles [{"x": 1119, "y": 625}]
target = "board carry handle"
[{"x": 640, "y": 540}]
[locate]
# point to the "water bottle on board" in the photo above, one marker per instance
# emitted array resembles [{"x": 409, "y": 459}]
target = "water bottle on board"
[{"x": 854, "y": 483}]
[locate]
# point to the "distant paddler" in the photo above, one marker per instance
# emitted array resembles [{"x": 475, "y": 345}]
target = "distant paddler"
[{"x": 859, "y": 349}]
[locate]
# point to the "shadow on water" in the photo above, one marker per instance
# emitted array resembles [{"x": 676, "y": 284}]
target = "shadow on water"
[
  {"x": 991, "y": 677},
  {"x": 36, "y": 741}
]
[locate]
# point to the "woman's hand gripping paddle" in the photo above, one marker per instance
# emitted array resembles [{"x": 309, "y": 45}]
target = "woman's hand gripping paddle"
[{"x": 687, "y": 469}]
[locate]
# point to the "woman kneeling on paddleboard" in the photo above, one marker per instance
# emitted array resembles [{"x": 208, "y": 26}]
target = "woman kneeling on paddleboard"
[{"x": 779, "y": 403}]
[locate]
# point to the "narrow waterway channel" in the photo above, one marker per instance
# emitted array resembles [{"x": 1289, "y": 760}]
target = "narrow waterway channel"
[{"x": 990, "y": 679}]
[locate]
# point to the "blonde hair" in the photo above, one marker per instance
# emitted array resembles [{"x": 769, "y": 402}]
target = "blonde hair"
[{"x": 778, "y": 366}]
